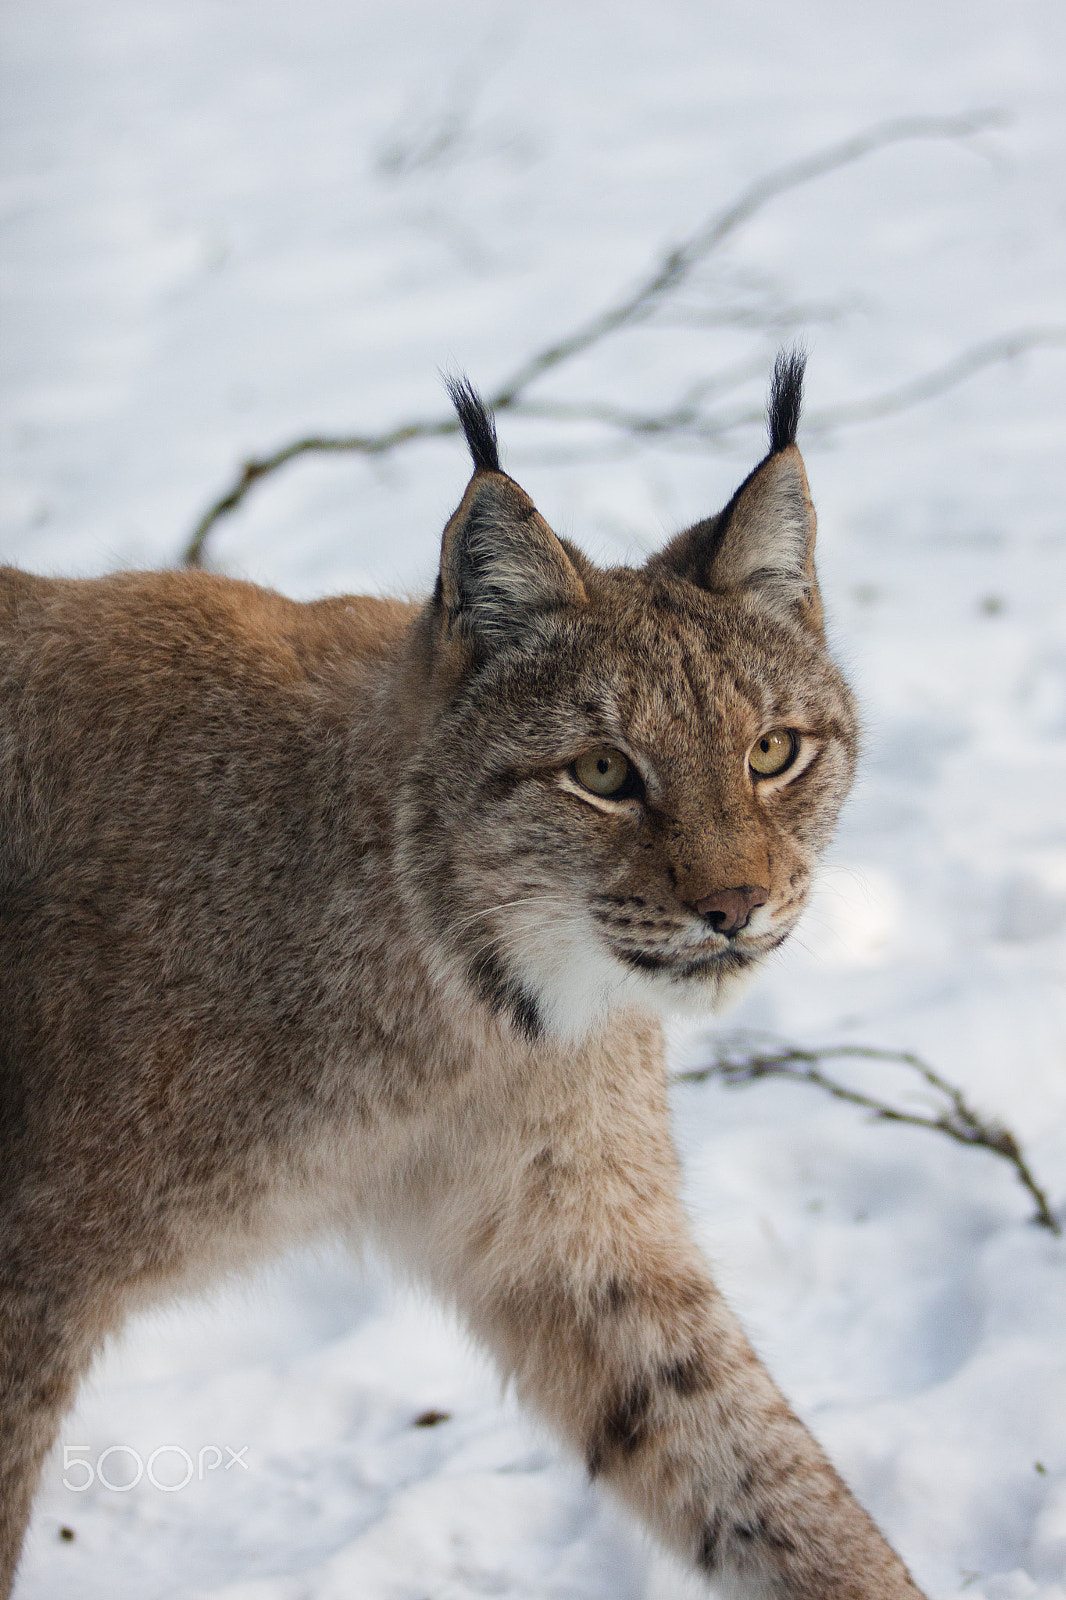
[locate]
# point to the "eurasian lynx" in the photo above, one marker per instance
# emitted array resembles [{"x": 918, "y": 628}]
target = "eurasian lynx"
[{"x": 360, "y": 915}]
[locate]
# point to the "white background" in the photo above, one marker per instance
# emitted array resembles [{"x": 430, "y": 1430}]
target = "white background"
[{"x": 227, "y": 222}]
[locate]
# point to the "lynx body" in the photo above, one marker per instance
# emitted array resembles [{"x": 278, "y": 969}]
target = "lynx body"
[{"x": 360, "y": 916}]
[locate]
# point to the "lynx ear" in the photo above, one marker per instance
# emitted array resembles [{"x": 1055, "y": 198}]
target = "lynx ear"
[
  {"x": 764, "y": 539},
  {"x": 501, "y": 564}
]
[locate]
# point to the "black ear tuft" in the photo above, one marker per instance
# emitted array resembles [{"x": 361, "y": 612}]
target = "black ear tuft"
[
  {"x": 786, "y": 398},
  {"x": 476, "y": 423}
]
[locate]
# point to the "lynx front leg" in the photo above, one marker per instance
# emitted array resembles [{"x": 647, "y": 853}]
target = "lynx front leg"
[
  {"x": 649, "y": 1375},
  {"x": 698, "y": 1439},
  {"x": 579, "y": 1271}
]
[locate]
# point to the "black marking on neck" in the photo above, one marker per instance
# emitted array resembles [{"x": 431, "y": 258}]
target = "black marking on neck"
[
  {"x": 710, "y": 1538},
  {"x": 504, "y": 995},
  {"x": 643, "y": 960},
  {"x": 477, "y": 423}
]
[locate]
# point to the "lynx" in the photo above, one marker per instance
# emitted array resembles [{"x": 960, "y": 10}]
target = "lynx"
[{"x": 361, "y": 915}]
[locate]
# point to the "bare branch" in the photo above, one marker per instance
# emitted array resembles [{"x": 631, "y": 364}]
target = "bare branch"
[
  {"x": 987, "y": 354},
  {"x": 674, "y": 268},
  {"x": 687, "y": 421},
  {"x": 738, "y": 1063},
  {"x": 666, "y": 277},
  {"x": 686, "y": 415},
  {"x": 761, "y": 318},
  {"x": 260, "y": 466}
]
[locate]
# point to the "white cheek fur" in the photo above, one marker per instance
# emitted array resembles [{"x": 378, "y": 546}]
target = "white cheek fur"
[{"x": 577, "y": 981}]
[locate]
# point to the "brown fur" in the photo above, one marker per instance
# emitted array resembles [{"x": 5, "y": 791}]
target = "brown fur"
[{"x": 306, "y": 923}]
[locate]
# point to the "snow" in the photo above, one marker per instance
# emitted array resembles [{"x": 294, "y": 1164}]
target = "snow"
[{"x": 228, "y": 222}]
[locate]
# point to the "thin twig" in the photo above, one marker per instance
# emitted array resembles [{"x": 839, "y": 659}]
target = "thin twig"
[
  {"x": 738, "y": 1062},
  {"x": 687, "y": 421},
  {"x": 760, "y": 318},
  {"x": 987, "y": 354},
  {"x": 667, "y": 275},
  {"x": 675, "y": 267},
  {"x": 260, "y": 466}
]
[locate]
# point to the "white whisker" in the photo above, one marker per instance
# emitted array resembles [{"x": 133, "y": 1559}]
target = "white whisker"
[{"x": 487, "y": 911}]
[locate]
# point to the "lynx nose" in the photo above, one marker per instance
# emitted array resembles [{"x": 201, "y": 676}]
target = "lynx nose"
[{"x": 728, "y": 910}]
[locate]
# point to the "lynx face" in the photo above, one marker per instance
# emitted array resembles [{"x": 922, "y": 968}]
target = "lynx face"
[{"x": 624, "y": 778}]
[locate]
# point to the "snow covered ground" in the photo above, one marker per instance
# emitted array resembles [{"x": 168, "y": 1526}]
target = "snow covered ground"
[{"x": 227, "y": 222}]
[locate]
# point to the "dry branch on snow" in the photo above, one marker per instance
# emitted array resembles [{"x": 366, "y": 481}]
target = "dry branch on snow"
[
  {"x": 688, "y": 419},
  {"x": 739, "y": 1061}
]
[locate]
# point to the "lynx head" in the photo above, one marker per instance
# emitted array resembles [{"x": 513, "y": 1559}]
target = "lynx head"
[{"x": 621, "y": 780}]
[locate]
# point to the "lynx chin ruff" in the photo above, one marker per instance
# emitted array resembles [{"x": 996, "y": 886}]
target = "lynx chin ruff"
[{"x": 361, "y": 915}]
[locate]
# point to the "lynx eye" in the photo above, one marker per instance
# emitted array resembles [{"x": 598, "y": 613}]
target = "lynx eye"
[
  {"x": 772, "y": 753},
  {"x": 607, "y": 772}
]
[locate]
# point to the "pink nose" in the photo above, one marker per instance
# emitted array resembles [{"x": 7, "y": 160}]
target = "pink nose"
[{"x": 728, "y": 910}]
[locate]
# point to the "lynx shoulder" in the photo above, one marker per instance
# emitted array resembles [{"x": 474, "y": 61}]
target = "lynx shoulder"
[{"x": 361, "y": 915}]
